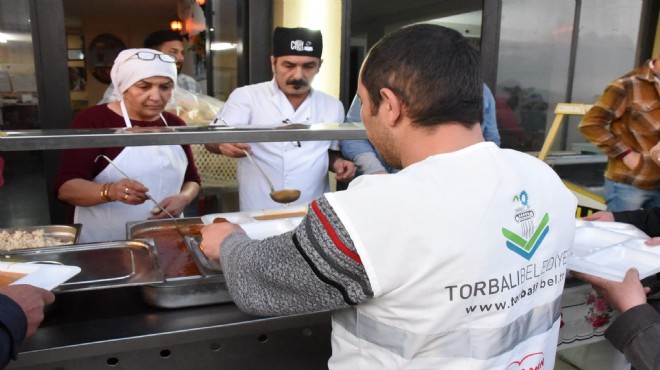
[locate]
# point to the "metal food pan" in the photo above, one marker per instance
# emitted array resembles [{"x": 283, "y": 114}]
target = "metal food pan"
[
  {"x": 186, "y": 292},
  {"x": 103, "y": 265},
  {"x": 135, "y": 227},
  {"x": 67, "y": 234},
  {"x": 135, "y": 230},
  {"x": 208, "y": 266},
  {"x": 208, "y": 287}
]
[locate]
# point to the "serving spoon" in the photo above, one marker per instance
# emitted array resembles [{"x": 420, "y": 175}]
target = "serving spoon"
[{"x": 280, "y": 196}]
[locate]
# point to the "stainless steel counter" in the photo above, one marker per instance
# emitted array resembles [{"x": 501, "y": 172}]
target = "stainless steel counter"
[
  {"x": 69, "y": 138},
  {"x": 113, "y": 328}
]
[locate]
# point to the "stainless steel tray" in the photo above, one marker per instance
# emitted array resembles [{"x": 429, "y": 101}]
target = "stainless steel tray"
[
  {"x": 103, "y": 265},
  {"x": 181, "y": 292},
  {"x": 207, "y": 287},
  {"x": 135, "y": 227},
  {"x": 65, "y": 233},
  {"x": 175, "y": 257},
  {"x": 208, "y": 266}
]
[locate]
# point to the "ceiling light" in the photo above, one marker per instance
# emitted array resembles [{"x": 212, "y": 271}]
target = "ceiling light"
[
  {"x": 176, "y": 25},
  {"x": 219, "y": 46}
]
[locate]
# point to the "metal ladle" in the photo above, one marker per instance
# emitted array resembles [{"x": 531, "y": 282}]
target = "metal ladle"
[{"x": 280, "y": 196}]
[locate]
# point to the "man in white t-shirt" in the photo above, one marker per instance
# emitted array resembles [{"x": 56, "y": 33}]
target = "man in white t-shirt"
[
  {"x": 457, "y": 261},
  {"x": 168, "y": 42},
  {"x": 288, "y": 98}
]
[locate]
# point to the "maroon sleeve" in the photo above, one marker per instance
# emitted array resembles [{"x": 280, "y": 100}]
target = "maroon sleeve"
[{"x": 79, "y": 163}]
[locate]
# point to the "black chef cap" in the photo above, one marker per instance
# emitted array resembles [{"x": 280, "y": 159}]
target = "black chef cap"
[{"x": 297, "y": 41}]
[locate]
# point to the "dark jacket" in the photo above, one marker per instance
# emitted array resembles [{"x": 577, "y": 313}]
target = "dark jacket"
[
  {"x": 646, "y": 220},
  {"x": 13, "y": 326},
  {"x": 636, "y": 333}
]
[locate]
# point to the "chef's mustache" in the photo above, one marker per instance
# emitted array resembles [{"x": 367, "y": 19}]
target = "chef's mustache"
[{"x": 297, "y": 82}]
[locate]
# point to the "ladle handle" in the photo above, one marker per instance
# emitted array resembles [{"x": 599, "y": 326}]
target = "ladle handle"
[{"x": 270, "y": 184}]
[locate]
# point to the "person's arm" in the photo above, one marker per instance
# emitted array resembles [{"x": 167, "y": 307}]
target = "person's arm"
[
  {"x": 489, "y": 122},
  {"x": 344, "y": 169},
  {"x": 232, "y": 150},
  {"x": 175, "y": 204},
  {"x": 636, "y": 332},
  {"x": 363, "y": 154},
  {"x": 595, "y": 125},
  {"x": 21, "y": 312},
  {"x": 85, "y": 193},
  {"x": 646, "y": 220},
  {"x": 13, "y": 327},
  {"x": 312, "y": 268}
]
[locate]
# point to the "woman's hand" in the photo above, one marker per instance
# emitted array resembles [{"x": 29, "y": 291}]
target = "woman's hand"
[
  {"x": 85, "y": 193},
  {"x": 128, "y": 192},
  {"x": 174, "y": 204}
]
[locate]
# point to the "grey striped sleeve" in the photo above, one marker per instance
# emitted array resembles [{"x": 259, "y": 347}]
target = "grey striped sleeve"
[{"x": 311, "y": 268}]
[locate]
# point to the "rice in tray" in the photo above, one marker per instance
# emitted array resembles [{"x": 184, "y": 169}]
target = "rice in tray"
[{"x": 20, "y": 239}]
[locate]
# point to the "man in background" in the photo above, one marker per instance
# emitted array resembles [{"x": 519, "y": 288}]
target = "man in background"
[
  {"x": 168, "y": 42},
  {"x": 288, "y": 98},
  {"x": 624, "y": 123}
]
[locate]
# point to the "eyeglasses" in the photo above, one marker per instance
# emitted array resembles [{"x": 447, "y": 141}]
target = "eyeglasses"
[{"x": 145, "y": 55}]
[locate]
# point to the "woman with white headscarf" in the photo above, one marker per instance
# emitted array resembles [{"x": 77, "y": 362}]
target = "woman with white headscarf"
[{"x": 103, "y": 198}]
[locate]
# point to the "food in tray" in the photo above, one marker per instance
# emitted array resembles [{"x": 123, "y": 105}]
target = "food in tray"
[
  {"x": 173, "y": 254},
  {"x": 8, "y": 277},
  {"x": 21, "y": 239},
  {"x": 219, "y": 220}
]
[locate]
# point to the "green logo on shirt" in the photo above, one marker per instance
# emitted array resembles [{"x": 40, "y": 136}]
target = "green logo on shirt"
[{"x": 526, "y": 244}]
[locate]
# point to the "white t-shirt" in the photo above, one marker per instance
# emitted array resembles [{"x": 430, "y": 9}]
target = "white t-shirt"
[
  {"x": 289, "y": 165},
  {"x": 466, "y": 255}
]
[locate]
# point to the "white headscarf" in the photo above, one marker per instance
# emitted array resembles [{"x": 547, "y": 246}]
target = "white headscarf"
[{"x": 129, "y": 69}]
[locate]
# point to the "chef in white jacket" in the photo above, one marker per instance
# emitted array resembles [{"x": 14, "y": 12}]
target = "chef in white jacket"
[{"x": 288, "y": 98}]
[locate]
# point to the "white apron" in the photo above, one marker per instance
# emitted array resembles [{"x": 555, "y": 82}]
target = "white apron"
[{"x": 161, "y": 168}]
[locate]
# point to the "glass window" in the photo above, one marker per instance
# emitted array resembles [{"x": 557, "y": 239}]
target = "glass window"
[
  {"x": 614, "y": 23},
  {"x": 224, "y": 47},
  {"x": 18, "y": 84},
  {"x": 23, "y": 171},
  {"x": 534, "y": 53},
  {"x": 535, "y": 64}
]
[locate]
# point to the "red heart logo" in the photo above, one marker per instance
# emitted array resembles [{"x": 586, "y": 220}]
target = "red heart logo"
[{"x": 533, "y": 361}]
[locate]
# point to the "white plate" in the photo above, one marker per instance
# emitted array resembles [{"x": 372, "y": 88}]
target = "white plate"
[
  {"x": 263, "y": 229},
  {"x": 609, "y": 249},
  {"x": 46, "y": 276},
  {"x": 589, "y": 238},
  {"x": 613, "y": 262}
]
